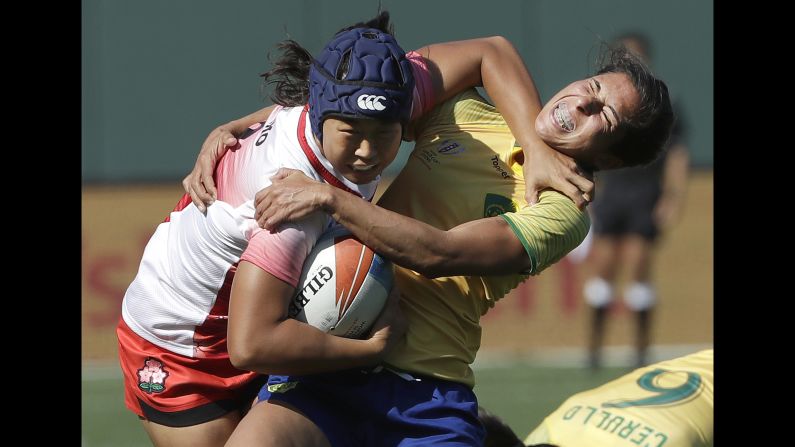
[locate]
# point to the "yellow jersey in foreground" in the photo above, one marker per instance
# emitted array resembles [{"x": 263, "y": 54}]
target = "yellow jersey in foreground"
[
  {"x": 464, "y": 167},
  {"x": 668, "y": 404}
]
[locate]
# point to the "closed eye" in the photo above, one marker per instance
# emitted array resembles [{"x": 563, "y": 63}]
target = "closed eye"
[
  {"x": 615, "y": 114},
  {"x": 596, "y": 87},
  {"x": 609, "y": 123}
]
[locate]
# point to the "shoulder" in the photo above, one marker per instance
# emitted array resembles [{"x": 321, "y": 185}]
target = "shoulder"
[
  {"x": 553, "y": 204},
  {"x": 465, "y": 108}
]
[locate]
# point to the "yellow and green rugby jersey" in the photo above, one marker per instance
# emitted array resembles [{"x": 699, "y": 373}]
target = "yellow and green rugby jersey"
[
  {"x": 668, "y": 404},
  {"x": 464, "y": 168}
]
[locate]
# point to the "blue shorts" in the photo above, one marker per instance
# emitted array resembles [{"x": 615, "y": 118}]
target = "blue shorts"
[{"x": 361, "y": 408}]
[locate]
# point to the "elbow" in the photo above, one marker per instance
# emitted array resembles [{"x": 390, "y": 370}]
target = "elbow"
[
  {"x": 241, "y": 357},
  {"x": 500, "y": 44},
  {"x": 248, "y": 357}
]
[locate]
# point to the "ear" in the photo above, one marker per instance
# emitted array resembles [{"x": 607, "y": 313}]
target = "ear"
[{"x": 604, "y": 161}]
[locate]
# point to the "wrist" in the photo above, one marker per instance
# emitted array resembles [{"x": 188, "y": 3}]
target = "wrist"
[
  {"x": 531, "y": 141},
  {"x": 327, "y": 197}
]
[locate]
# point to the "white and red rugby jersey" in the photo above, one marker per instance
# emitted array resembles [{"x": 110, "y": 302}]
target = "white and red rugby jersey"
[{"x": 179, "y": 298}]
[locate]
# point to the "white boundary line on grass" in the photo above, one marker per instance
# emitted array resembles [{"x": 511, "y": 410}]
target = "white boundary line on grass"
[{"x": 576, "y": 357}]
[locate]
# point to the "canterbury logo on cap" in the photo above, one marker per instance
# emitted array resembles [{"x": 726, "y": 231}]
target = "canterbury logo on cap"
[{"x": 370, "y": 102}]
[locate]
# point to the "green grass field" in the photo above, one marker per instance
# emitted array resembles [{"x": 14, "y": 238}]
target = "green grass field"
[{"x": 521, "y": 395}]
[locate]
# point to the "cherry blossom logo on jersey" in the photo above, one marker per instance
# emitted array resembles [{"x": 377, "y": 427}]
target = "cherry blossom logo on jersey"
[{"x": 152, "y": 377}]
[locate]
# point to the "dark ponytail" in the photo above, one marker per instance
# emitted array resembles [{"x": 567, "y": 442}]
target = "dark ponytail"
[{"x": 290, "y": 75}]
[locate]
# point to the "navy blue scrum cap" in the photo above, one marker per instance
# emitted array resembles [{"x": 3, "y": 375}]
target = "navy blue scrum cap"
[{"x": 361, "y": 73}]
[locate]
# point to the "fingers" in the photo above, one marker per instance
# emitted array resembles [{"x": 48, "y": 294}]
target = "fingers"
[
  {"x": 391, "y": 315},
  {"x": 569, "y": 189},
  {"x": 267, "y": 216},
  {"x": 196, "y": 199},
  {"x": 573, "y": 192},
  {"x": 200, "y": 197},
  {"x": 531, "y": 196},
  {"x": 206, "y": 167},
  {"x": 578, "y": 185},
  {"x": 261, "y": 215},
  {"x": 209, "y": 185},
  {"x": 199, "y": 184},
  {"x": 269, "y": 222},
  {"x": 260, "y": 196},
  {"x": 585, "y": 186},
  {"x": 261, "y": 202},
  {"x": 194, "y": 188},
  {"x": 583, "y": 179},
  {"x": 283, "y": 173},
  {"x": 229, "y": 139}
]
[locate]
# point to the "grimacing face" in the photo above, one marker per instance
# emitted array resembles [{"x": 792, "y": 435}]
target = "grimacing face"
[
  {"x": 586, "y": 117},
  {"x": 360, "y": 149}
]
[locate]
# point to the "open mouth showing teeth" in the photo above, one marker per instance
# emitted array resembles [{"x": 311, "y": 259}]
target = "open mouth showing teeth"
[{"x": 562, "y": 117}]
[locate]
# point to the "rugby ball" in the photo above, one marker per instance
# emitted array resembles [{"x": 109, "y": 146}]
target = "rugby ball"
[{"x": 344, "y": 286}]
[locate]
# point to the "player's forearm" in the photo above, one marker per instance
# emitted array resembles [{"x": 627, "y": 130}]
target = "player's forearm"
[
  {"x": 261, "y": 338},
  {"x": 510, "y": 85},
  {"x": 292, "y": 347},
  {"x": 494, "y": 63},
  {"x": 405, "y": 241}
]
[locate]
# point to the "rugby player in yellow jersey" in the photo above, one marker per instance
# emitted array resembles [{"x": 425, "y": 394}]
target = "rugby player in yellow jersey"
[
  {"x": 667, "y": 404},
  {"x": 464, "y": 190}
]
